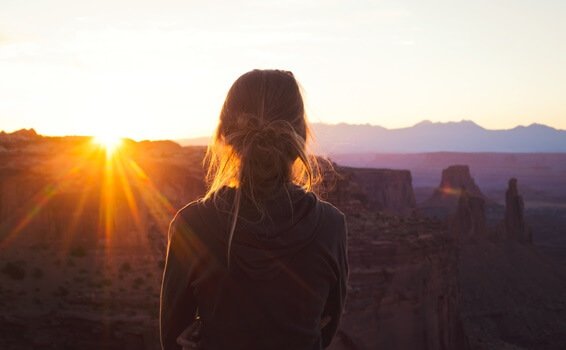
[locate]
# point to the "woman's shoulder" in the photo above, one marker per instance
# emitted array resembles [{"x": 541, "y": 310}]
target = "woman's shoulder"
[
  {"x": 188, "y": 209},
  {"x": 187, "y": 216},
  {"x": 330, "y": 211},
  {"x": 201, "y": 212},
  {"x": 332, "y": 227}
]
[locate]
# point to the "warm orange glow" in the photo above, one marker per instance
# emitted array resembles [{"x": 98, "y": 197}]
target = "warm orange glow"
[
  {"x": 110, "y": 142},
  {"x": 111, "y": 185}
]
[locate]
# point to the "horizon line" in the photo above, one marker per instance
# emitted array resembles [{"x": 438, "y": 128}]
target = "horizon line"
[{"x": 422, "y": 122}]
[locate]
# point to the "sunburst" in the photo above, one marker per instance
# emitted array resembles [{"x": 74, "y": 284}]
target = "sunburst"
[{"x": 111, "y": 143}]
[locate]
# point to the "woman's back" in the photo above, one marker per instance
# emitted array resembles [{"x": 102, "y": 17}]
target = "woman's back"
[
  {"x": 287, "y": 271},
  {"x": 260, "y": 258}
]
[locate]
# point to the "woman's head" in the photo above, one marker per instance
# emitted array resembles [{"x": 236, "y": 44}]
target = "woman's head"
[
  {"x": 260, "y": 141},
  {"x": 259, "y": 145}
]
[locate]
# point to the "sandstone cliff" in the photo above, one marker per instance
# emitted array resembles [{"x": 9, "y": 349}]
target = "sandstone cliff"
[
  {"x": 454, "y": 179},
  {"x": 443, "y": 203},
  {"x": 468, "y": 223},
  {"x": 384, "y": 190},
  {"x": 403, "y": 292},
  {"x": 513, "y": 226}
]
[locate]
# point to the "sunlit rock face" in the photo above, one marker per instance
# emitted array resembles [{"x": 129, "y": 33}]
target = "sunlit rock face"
[
  {"x": 380, "y": 190},
  {"x": 78, "y": 194},
  {"x": 82, "y": 239},
  {"x": 19, "y": 136}
]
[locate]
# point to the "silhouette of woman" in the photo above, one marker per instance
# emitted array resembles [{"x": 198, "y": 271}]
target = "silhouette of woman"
[{"x": 260, "y": 262}]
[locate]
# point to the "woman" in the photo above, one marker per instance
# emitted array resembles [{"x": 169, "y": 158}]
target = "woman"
[{"x": 260, "y": 259}]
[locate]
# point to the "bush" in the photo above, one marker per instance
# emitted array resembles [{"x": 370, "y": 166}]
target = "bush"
[{"x": 15, "y": 272}]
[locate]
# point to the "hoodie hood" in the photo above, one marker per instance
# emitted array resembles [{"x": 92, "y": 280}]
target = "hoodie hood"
[{"x": 263, "y": 244}]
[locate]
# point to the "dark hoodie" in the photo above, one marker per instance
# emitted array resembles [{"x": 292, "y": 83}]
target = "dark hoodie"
[{"x": 288, "y": 270}]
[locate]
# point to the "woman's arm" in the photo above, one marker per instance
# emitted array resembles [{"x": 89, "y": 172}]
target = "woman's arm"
[
  {"x": 337, "y": 297},
  {"x": 178, "y": 306}
]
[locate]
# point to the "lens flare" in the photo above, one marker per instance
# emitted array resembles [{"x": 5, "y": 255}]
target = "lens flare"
[{"x": 109, "y": 142}]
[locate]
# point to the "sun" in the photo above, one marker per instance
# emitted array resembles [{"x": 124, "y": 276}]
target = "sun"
[{"x": 108, "y": 141}]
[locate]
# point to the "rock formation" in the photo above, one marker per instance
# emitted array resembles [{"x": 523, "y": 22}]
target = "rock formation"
[
  {"x": 18, "y": 135},
  {"x": 469, "y": 223},
  {"x": 403, "y": 288},
  {"x": 444, "y": 201},
  {"x": 514, "y": 225},
  {"x": 454, "y": 178},
  {"x": 384, "y": 190}
]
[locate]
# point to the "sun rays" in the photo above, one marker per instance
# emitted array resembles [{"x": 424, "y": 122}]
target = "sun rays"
[
  {"x": 109, "y": 142},
  {"x": 111, "y": 193}
]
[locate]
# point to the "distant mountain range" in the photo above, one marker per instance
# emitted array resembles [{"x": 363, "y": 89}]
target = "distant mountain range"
[{"x": 426, "y": 136}]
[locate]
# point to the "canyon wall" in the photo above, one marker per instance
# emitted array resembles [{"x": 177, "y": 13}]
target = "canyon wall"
[
  {"x": 88, "y": 237},
  {"x": 468, "y": 223},
  {"x": 384, "y": 190},
  {"x": 404, "y": 291}
]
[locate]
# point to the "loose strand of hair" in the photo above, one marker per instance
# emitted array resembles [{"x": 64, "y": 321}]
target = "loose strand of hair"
[{"x": 235, "y": 213}]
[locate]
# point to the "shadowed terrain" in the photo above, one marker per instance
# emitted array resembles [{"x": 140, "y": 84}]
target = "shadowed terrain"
[{"x": 82, "y": 241}]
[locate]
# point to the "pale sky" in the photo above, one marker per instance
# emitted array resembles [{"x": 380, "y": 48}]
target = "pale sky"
[{"x": 160, "y": 69}]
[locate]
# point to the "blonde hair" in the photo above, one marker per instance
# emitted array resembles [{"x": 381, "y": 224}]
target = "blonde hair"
[{"x": 260, "y": 142}]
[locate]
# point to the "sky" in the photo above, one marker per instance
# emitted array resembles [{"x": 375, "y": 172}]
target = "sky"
[{"x": 161, "y": 69}]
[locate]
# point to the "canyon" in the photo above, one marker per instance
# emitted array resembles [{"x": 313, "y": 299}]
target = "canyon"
[{"x": 83, "y": 238}]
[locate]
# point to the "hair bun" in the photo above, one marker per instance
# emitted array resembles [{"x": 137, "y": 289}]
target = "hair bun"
[{"x": 251, "y": 135}]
